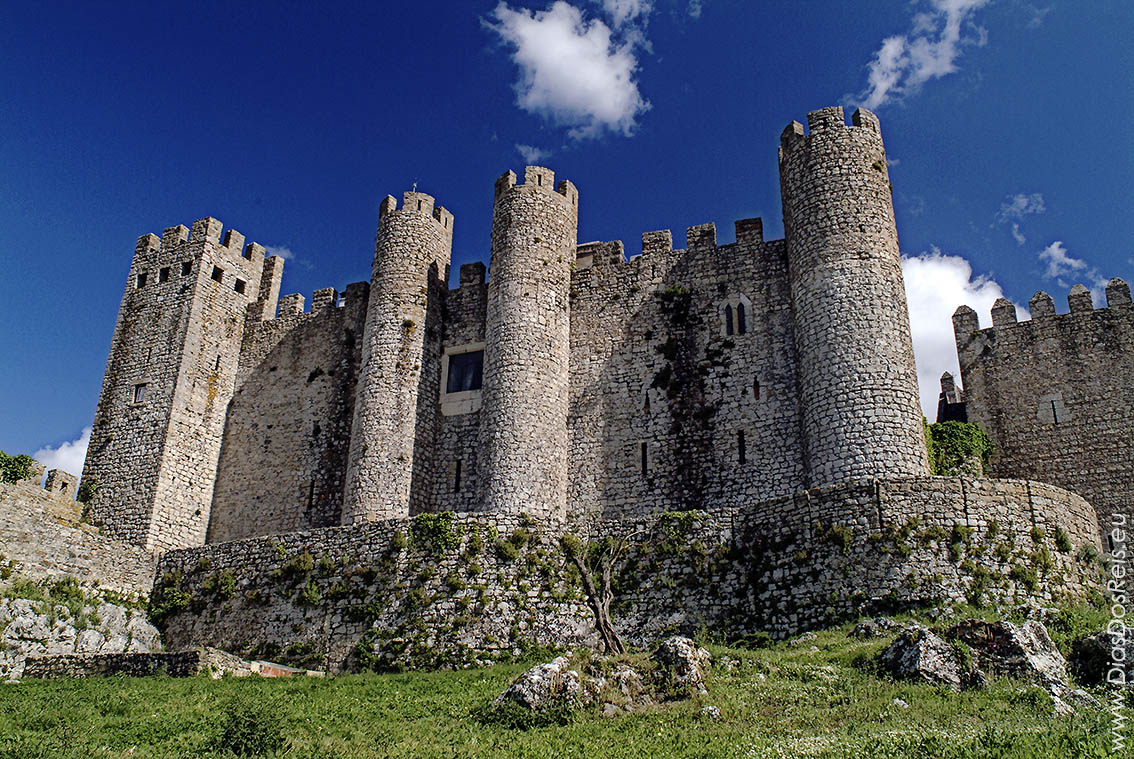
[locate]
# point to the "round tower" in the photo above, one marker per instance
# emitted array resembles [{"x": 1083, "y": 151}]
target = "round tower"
[
  {"x": 858, "y": 385},
  {"x": 401, "y": 346},
  {"x": 523, "y": 420}
]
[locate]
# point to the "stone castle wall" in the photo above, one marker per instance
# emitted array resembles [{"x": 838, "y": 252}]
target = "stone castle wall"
[
  {"x": 41, "y": 533},
  {"x": 459, "y": 589},
  {"x": 1056, "y": 393},
  {"x": 283, "y": 458}
]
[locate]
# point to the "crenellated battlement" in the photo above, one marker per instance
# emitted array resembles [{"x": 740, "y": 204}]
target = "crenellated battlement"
[
  {"x": 417, "y": 202},
  {"x": 539, "y": 179},
  {"x": 972, "y": 338},
  {"x": 826, "y": 120}
]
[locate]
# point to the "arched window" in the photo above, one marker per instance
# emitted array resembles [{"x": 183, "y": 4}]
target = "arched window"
[
  {"x": 728, "y": 320},
  {"x": 741, "y": 320}
]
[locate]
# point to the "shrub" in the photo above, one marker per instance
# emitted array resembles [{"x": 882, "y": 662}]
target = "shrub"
[
  {"x": 250, "y": 729},
  {"x": 951, "y": 444},
  {"x": 310, "y": 595},
  {"x": 87, "y": 489},
  {"x": 1062, "y": 540},
  {"x": 435, "y": 532},
  {"x": 15, "y": 468}
]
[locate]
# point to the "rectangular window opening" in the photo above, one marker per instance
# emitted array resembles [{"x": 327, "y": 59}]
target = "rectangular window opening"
[
  {"x": 741, "y": 453},
  {"x": 186, "y": 268},
  {"x": 163, "y": 275},
  {"x": 457, "y": 478},
  {"x": 218, "y": 274},
  {"x": 465, "y": 372},
  {"x": 141, "y": 282},
  {"x": 239, "y": 286},
  {"x": 645, "y": 460},
  {"x": 140, "y": 393}
]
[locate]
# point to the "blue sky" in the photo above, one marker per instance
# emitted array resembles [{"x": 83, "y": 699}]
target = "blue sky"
[{"x": 1009, "y": 126}]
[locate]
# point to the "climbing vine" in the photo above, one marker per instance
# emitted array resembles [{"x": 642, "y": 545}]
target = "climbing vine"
[{"x": 952, "y": 444}]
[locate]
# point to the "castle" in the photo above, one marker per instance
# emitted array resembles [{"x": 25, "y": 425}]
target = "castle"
[
  {"x": 327, "y": 481},
  {"x": 573, "y": 383}
]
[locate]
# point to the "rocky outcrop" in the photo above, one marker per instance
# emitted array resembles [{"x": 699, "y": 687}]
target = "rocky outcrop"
[
  {"x": 42, "y": 628},
  {"x": 682, "y": 666},
  {"x": 921, "y": 655}
]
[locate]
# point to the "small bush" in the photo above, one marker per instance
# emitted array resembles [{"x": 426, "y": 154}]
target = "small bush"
[
  {"x": 250, "y": 729},
  {"x": 15, "y": 468},
  {"x": 1038, "y": 534},
  {"x": 1062, "y": 540},
  {"x": 87, "y": 490},
  {"x": 310, "y": 595}
]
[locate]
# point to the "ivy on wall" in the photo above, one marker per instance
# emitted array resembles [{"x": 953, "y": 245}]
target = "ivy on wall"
[{"x": 953, "y": 444}]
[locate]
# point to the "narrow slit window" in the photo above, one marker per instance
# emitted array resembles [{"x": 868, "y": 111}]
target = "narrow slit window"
[
  {"x": 140, "y": 393},
  {"x": 756, "y": 388},
  {"x": 457, "y": 478},
  {"x": 163, "y": 274},
  {"x": 141, "y": 281},
  {"x": 741, "y": 452},
  {"x": 216, "y": 366},
  {"x": 645, "y": 461},
  {"x": 218, "y": 274},
  {"x": 728, "y": 320},
  {"x": 186, "y": 268},
  {"x": 239, "y": 286},
  {"x": 741, "y": 320}
]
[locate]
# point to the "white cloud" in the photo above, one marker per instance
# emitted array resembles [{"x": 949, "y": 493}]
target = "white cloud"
[
  {"x": 936, "y": 285},
  {"x": 695, "y": 8},
  {"x": 532, "y": 154},
  {"x": 68, "y": 456},
  {"x": 1058, "y": 262},
  {"x": 929, "y": 51},
  {"x": 1017, "y": 235},
  {"x": 288, "y": 255},
  {"x": 1020, "y": 205},
  {"x": 572, "y": 71},
  {"x": 622, "y": 11}
]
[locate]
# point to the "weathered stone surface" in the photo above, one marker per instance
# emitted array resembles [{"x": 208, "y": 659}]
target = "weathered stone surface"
[
  {"x": 1006, "y": 648},
  {"x": 545, "y": 686},
  {"x": 873, "y": 628},
  {"x": 29, "y": 630},
  {"x": 1095, "y": 657},
  {"x": 682, "y": 665},
  {"x": 919, "y": 654}
]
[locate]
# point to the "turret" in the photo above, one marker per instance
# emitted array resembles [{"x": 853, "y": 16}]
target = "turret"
[
  {"x": 858, "y": 385},
  {"x": 398, "y": 385},
  {"x": 157, "y": 432},
  {"x": 522, "y": 464}
]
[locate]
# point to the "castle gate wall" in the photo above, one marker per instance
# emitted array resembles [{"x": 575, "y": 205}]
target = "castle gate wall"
[
  {"x": 683, "y": 375},
  {"x": 283, "y": 458}
]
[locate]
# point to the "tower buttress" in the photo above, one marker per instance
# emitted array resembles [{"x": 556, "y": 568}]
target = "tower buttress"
[
  {"x": 858, "y": 386},
  {"x": 523, "y": 433},
  {"x": 396, "y": 400}
]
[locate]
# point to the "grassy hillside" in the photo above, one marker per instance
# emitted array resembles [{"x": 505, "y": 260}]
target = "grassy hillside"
[{"x": 781, "y": 701}]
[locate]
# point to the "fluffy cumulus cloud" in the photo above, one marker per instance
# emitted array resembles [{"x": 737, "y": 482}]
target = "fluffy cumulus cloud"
[
  {"x": 68, "y": 456},
  {"x": 936, "y": 284},
  {"x": 532, "y": 154},
  {"x": 573, "y": 70},
  {"x": 928, "y": 51}
]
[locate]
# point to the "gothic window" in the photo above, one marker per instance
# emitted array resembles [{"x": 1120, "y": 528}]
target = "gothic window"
[
  {"x": 728, "y": 320},
  {"x": 741, "y": 320},
  {"x": 465, "y": 372}
]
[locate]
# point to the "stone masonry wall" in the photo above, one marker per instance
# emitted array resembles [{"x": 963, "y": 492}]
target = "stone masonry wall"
[
  {"x": 522, "y": 462},
  {"x": 172, "y": 366},
  {"x": 673, "y": 407},
  {"x": 1056, "y": 393},
  {"x": 453, "y": 590},
  {"x": 41, "y": 532},
  {"x": 285, "y": 446},
  {"x": 858, "y": 385},
  {"x": 391, "y": 432}
]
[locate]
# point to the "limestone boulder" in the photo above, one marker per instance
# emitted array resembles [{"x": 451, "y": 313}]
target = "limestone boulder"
[
  {"x": 682, "y": 666},
  {"x": 1103, "y": 657},
  {"x": 921, "y": 655}
]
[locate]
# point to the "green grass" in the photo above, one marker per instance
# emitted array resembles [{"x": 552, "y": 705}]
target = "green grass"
[{"x": 776, "y": 702}]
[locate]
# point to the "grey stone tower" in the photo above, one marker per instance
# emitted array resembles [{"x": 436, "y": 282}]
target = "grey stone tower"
[
  {"x": 858, "y": 385},
  {"x": 396, "y": 399},
  {"x": 157, "y": 432},
  {"x": 522, "y": 466}
]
